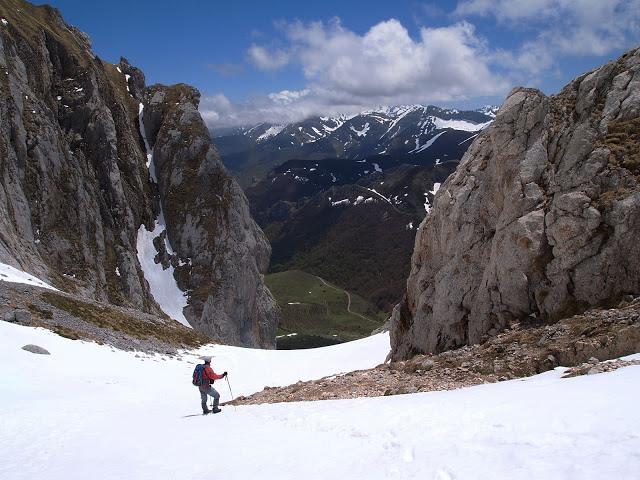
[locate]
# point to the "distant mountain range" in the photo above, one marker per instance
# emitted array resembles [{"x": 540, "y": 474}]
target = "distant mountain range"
[
  {"x": 415, "y": 134},
  {"x": 342, "y": 197}
]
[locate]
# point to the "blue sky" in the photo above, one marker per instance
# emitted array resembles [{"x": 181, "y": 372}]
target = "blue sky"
[{"x": 283, "y": 60}]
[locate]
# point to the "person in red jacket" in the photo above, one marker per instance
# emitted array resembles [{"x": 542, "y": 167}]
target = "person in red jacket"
[{"x": 208, "y": 376}]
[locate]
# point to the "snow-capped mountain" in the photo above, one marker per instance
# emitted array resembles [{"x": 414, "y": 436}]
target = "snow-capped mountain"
[{"x": 421, "y": 133}]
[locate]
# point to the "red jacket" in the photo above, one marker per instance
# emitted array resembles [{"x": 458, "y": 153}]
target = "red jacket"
[{"x": 208, "y": 376}]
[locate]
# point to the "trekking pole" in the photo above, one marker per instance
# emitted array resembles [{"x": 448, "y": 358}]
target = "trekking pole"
[{"x": 232, "y": 397}]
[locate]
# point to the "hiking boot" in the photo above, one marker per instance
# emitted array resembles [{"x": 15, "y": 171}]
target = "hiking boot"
[
  {"x": 216, "y": 410},
  {"x": 205, "y": 409}
]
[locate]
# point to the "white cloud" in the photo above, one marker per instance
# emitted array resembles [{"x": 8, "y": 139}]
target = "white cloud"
[
  {"x": 267, "y": 60},
  {"x": 286, "y": 97},
  {"x": 346, "y": 72},
  {"x": 386, "y": 63},
  {"x": 562, "y": 28}
]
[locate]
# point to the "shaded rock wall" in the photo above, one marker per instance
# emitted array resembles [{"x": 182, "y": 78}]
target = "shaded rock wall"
[{"x": 75, "y": 188}]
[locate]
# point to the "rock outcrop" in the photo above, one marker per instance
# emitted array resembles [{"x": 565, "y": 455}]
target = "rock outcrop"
[
  {"x": 540, "y": 221},
  {"x": 75, "y": 186},
  {"x": 209, "y": 225}
]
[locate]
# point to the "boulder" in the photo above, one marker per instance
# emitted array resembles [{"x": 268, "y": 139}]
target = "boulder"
[{"x": 36, "y": 349}]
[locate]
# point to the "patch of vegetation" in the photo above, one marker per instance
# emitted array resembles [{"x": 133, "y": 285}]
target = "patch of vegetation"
[
  {"x": 311, "y": 307},
  {"x": 66, "y": 332},
  {"x": 30, "y": 21},
  {"x": 40, "y": 312},
  {"x": 623, "y": 139},
  {"x": 168, "y": 331}
]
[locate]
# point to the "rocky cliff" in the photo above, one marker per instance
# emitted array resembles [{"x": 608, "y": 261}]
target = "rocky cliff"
[
  {"x": 81, "y": 182},
  {"x": 540, "y": 221}
]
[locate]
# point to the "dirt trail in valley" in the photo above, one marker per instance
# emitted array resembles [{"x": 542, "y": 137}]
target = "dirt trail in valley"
[{"x": 348, "y": 297}]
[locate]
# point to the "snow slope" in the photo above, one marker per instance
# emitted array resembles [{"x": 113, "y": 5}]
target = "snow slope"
[
  {"x": 13, "y": 275},
  {"x": 88, "y": 411}
]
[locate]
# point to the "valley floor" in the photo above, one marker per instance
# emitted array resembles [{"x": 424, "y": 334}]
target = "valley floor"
[{"x": 90, "y": 411}]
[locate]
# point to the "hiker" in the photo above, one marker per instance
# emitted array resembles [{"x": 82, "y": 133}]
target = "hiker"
[{"x": 208, "y": 377}]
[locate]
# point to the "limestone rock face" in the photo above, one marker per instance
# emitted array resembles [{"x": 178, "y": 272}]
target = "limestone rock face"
[
  {"x": 73, "y": 181},
  {"x": 540, "y": 221},
  {"x": 75, "y": 186},
  {"x": 221, "y": 251}
]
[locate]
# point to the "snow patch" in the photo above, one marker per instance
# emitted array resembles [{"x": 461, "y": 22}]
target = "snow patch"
[
  {"x": 430, "y": 142},
  {"x": 270, "y": 132},
  {"x": 363, "y": 132},
  {"x": 377, "y": 167},
  {"x": 162, "y": 283},
  {"x": 13, "y": 275},
  {"x": 427, "y": 205},
  {"x": 460, "y": 125},
  {"x": 380, "y": 195},
  {"x": 344, "y": 202},
  {"x": 467, "y": 139},
  {"x": 150, "y": 165}
]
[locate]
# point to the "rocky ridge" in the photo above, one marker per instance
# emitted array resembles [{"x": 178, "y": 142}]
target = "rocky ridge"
[
  {"x": 539, "y": 221},
  {"x": 82, "y": 319},
  {"x": 584, "y": 342},
  {"x": 415, "y": 134},
  {"x": 75, "y": 186}
]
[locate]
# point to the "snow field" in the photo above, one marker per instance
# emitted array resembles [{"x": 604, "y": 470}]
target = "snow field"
[{"x": 89, "y": 411}]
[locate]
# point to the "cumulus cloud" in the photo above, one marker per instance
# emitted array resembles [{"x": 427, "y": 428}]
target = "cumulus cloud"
[
  {"x": 346, "y": 72},
  {"x": 386, "y": 63}
]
